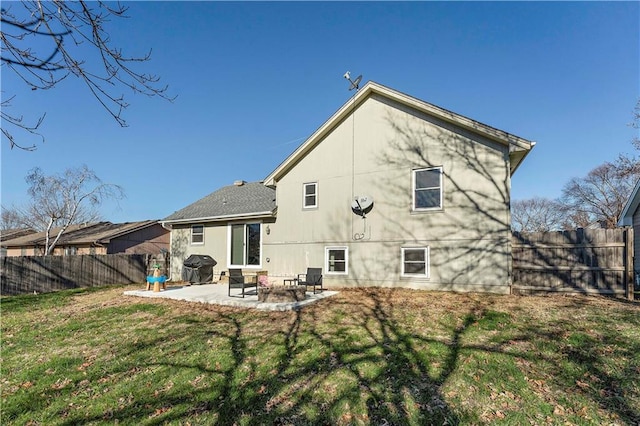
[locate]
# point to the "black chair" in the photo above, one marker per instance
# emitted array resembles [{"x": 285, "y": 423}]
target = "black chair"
[
  {"x": 237, "y": 280},
  {"x": 313, "y": 279}
]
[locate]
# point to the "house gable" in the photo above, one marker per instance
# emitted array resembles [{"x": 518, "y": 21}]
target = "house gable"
[{"x": 518, "y": 147}]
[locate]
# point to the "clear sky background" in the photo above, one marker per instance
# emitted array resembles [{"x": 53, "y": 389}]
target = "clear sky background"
[{"x": 253, "y": 80}]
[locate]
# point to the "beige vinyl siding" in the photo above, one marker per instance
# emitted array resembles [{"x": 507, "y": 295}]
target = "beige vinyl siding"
[
  {"x": 215, "y": 245},
  {"x": 373, "y": 153}
]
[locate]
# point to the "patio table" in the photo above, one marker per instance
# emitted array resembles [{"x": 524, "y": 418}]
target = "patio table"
[{"x": 290, "y": 281}]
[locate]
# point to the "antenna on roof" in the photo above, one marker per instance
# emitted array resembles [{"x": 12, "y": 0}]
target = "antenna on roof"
[{"x": 355, "y": 84}]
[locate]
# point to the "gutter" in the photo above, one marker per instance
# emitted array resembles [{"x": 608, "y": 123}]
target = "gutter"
[{"x": 217, "y": 218}]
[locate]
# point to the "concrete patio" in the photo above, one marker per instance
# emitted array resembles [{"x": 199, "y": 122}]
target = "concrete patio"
[{"x": 217, "y": 294}]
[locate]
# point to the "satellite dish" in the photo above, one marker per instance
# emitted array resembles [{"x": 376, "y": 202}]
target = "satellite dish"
[
  {"x": 362, "y": 204},
  {"x": 355, "y": 84}
]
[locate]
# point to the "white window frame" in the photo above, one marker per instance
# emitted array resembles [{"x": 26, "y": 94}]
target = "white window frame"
[
  {"x": 328, "y": 270},
  {"x": 414, "y": 173},
  {"x": 304, "y": 195},
  {"x": 427, "y": 260},
  {"x": 229, "y": 241},
  {"x": 197, "y": 243}
]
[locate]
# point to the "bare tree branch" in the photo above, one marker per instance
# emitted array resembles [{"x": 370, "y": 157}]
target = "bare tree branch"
[
  {"x": 537, "y": 215},
  {"x": 63, "y": 30},
  {"x": 599, "y": 198}
]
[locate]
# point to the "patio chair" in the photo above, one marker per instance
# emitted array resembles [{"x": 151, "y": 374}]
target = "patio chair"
[
  {"x": 237, "y": 280},
  {"x": 313, "y": 279}
]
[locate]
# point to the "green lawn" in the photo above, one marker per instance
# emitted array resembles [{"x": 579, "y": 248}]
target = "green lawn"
[{"x": 367, "y": 356}]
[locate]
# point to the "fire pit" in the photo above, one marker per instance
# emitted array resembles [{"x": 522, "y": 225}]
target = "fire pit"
[{"x": 281, "y": 294}]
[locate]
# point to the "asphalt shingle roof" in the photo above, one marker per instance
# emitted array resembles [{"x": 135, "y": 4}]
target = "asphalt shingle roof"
[
  {"x": 233, "y": 200},
  {"x": 9, "y": 234},
  {"x": 101, "y": 232}
]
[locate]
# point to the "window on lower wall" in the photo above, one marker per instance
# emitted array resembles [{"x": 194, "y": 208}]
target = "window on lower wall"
[
  {"x": 336, "y": 260},
  {"x": 415, "y": 262},
  {"x": 245, "y": 244},
  {"x": 197, "y": 234}
]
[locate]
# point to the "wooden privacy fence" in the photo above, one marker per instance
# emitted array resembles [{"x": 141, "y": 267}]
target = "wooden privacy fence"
[
  {"x": 26, "y": 274},
  {"x": 581, "y": 261}
]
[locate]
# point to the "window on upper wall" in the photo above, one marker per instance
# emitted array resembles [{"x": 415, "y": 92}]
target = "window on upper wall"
[
  {"x": 415, "y": 262},
  {"x": 310, "y": 195},
  {"x": 197, "y": 234},
  {"x": 336, "y": 260},
  {"x": 427, "y": 189}
]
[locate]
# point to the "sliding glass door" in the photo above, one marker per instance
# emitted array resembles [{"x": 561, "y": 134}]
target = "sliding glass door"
[{"x": 244, "y": 244}]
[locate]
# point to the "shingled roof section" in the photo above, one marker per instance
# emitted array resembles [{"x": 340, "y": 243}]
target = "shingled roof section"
[
  {"x": 84, "y": 233},
  {"x": 9, "y": 234},
  {"x": 237, "y": 200}
]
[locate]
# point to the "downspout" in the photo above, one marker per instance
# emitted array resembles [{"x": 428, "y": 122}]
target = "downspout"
[{"x": 98, "y": 244}]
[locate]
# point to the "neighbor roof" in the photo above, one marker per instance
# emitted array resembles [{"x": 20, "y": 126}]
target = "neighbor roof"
[
  {"x": 92, "y": 233},
  {"x": 9, "y": 234},
  {"x": 518, "y": 147},
  {"x": 104, "y": 232},
  {"x": 38, "y": 238},
  {"x": 240, "y": 200}
]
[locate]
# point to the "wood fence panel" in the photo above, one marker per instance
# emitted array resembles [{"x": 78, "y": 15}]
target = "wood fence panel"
[
  {"x": 584, "y": 260},
  {"x": 26, "y": 274}
]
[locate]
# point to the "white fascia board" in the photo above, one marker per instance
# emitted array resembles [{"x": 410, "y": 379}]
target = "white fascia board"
[
  {"x": 324, "y": 129},
  {"x": 514, "y": 142},
  {"x": 219, "y": 218},
  {"x": 475, "y": 126},
  {"x": 626, "y": 218}
]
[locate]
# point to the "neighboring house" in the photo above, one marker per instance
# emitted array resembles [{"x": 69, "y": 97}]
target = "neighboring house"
[
  {"x": 10, "y": 234},
  {"x": 147, "y": 237},
  {"x": 390, "y": 191},
  {"x": 631, "y": 217}
]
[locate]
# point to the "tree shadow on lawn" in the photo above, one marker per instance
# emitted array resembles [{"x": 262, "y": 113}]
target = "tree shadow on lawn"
[
  {"x": 366, "y": 356},
  {"x": 337, "y": 362}
]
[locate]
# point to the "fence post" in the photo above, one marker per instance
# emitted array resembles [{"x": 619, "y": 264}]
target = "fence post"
[{"x": 628, "y": 263}]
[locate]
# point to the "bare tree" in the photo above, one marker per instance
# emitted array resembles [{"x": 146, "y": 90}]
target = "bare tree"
[
  {"x": 537, "y": 215},
  {"x": 44, "y": 42},
  {"x": 599, "y": 198},
  {"x": 10, "y": 219},
  {"x": 59, "y": 201}
]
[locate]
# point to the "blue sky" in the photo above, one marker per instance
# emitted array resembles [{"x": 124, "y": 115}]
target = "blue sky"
[{"x": 253, "y": 80}]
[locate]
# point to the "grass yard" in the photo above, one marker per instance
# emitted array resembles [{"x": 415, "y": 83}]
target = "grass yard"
[{"x": 366, "y": 356}]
